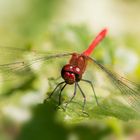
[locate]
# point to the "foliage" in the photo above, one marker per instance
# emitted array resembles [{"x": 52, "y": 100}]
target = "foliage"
[{"x": 23, "y": 115}]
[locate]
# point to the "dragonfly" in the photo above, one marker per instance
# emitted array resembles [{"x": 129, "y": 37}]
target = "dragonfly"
[{"x": 72, "y": 73}]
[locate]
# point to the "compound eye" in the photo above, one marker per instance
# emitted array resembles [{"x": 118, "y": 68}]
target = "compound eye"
[
  {"x": 68, "y": 67},
  {"x": 71, "y": 74},
  {"x": 69, "y": 77},
  {"x": 76, "y": 70}
]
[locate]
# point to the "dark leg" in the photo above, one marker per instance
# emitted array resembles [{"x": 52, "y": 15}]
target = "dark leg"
[
  {"x": 60, "y": 94},
  {"x": 75, "y": 87},
  {"x": 83, "y": 97},
  {"x": 92, "y": 89},
  {"x": 54, "y": 91}
]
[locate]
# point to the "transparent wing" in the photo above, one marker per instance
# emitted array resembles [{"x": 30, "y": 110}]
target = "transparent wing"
[
  {"x": 12, "y": 54},
  {"x": 129, "y": 90},
  {"x": 17, "y": 62}
]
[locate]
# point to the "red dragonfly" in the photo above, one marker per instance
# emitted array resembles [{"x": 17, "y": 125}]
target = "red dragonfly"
[{"x": 73, "y": 71}]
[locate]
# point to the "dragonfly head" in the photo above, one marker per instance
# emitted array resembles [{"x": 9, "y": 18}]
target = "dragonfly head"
[{"x": 71, "y": 74}]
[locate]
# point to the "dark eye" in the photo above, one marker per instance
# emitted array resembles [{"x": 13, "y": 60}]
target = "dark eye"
[
  {"x": 69, "y": 77},
  {"x": 76, "y": 70}
]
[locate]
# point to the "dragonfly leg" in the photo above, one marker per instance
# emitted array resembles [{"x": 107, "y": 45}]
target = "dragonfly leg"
[
  {"x": 83, "y": 108},
  {"x": 75, "y": 88},
  {"x": 59, "y": 103},
  {"x": 87, "y": 81},
  {"x": 54, "y": 91}
]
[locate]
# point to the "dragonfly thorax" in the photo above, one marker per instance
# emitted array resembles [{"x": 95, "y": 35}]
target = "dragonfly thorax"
[{"x": 71, "y": 74}]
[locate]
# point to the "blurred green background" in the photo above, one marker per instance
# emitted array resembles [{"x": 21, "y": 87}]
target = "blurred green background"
[{"x": 53, "y": 26}]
